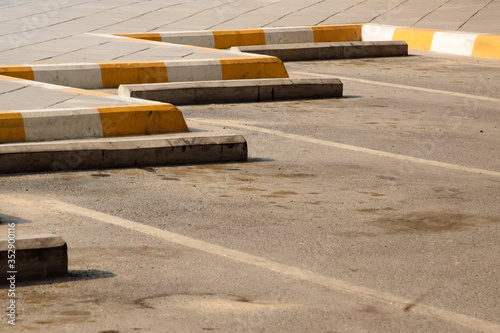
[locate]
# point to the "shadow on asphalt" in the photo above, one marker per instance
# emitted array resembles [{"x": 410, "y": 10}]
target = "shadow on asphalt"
[{"x": 73, "y": 275}]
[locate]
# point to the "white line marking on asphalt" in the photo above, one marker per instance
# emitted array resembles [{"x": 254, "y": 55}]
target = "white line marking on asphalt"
[
  {"x": 394, "y": 85},
  {"x": 237, "y": 124},
  {"x": 302, "y": 274}
]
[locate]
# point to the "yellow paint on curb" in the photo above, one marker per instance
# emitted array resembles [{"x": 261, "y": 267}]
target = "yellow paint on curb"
[
  {"x": 10, "y": 78},
  {"x": 224, "y": 39},
  {"x": 487, "y": 46},
  {"x": 85, "y": 92},
  {"x": 21, "y": 72},
  {"x": 12, "y": 127},
  {"x": 252, "y": 68},
  {"x": 416, "y": 38},
  {"x": 337, "y": 33},
  {"x": 114, "y": 74},
  {"x": 141, "y": 120},
  {"x": 151, "y": 36}
]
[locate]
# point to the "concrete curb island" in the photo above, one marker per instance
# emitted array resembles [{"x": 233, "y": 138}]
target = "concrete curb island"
[
  {"x": 111, "y": 75},
  {"x": 450, "y": 42}
]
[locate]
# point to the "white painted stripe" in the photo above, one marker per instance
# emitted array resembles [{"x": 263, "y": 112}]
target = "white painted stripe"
[
  {"x": 453, "y": 42},
  {"x": 295, "y": 272},
  {"x": 85, "y": 76},
  {"x": 41, "y": 125},
  {"x": 195, "y": 70},
  {"x": 289, "y": 35},
  {"x": 236, "y": 124},
  {"x": 194, "y": 38},
  {"x": 400, "y": 86},
  {"x": 377, "y": 32}
]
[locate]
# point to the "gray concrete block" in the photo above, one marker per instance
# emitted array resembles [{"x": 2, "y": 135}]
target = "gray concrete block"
[
  {"x": 154, "y": 150},
  {"x": 36, "y": 257},
  {"x": 322, "y": 51},
  {"x": 234, "y": 91}
]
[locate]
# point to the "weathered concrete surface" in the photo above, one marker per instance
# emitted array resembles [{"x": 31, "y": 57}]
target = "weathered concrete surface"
[
  {"x": 154, "y": 150},
  {"x": 235, "y": 91},
  {"x": 36, "y": 257},
  {"x": 324, "y": 51}
]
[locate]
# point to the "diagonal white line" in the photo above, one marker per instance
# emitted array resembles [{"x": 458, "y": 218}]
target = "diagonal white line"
[
  {"x": 401, "y": 86},
  {"x": 236, "y": 124},
  {"x": 302, "y": 274}
]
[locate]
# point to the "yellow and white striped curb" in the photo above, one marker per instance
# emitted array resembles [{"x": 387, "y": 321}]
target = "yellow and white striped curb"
[
  {"x": 98, "y": 122},
  {"x": 451, "y": 42},
  {"x": 223, "y": 39},
  {"x": 56, "y": 87},
  {"x": 112, "y": 74}
]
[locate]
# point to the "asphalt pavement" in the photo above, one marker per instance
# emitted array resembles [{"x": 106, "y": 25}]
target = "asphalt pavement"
[{"x": 376, "y": 212}]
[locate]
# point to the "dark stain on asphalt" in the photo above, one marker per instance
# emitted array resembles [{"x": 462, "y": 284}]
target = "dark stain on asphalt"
[
  {"x": 369, "y": 309},
  {"x": 251, "y": 189},
  {"x": 374, "y": 210},
  {"x": 374, "y": 194},
  {"x": 420, "y": 223},
  {"x": 293, "y": 175},
  {"x": 279, "y": 194},
  {"x": 431, "y": 223},
  {"x": 74, "y": 313}
]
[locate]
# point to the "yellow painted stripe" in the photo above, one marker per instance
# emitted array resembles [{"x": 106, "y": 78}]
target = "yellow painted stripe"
[
  {"x": 224, "y": 39},
  {"x": 85, "y": 92},
  {"x": 416, "y": 38},
  {"x": 12, "y": 127},
  {"x": 337, "y": 33},
  {"x": 487, "y": 46},
  {"x": 152, "y": 36},
  {"x": 252, "y": 68},
  {"x": 9, "y": 78},
  {"x": 114, "y": 74},
  {"x": 141, "y": 120},
  {"x": 21, "y": 72}
]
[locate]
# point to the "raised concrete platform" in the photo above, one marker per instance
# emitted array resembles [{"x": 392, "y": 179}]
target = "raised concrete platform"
[
  {"x": 325, "y": 51},
  {"x": 112, "y": 74},
  {"x": 235, "y": 91},
  {"x": 154, "y": 150},
  {"x": 36, "y": 257},
  {"x": 224, "y": 39},
  {"x": 81, "y": 123}
]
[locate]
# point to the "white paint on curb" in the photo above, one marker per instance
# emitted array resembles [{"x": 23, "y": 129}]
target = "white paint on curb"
[
  {"x": 289, "y": 35},
  {"x": 454, "y": 42},
  {"x": 85, "y": 75},
  {"x": 377, "y": 32},
  {"x": 41, "y": 125},
  {"x": 198, "y": 38},
  {"x": 201, "y": 70}
]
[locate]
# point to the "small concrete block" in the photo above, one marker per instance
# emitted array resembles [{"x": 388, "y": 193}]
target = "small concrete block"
[
  {"x": 123, "y": 152},
  {"x": 235, "y": 91},
  {"x": 322, "y": 51},
  {"x": 36, "y": 257}
]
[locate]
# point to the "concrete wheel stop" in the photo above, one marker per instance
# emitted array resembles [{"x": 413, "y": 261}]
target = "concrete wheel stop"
[
  {"x": 34, "y": 257},
  {"x": 235, "y": 91},
  {"x": 326, "y": 51}
]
